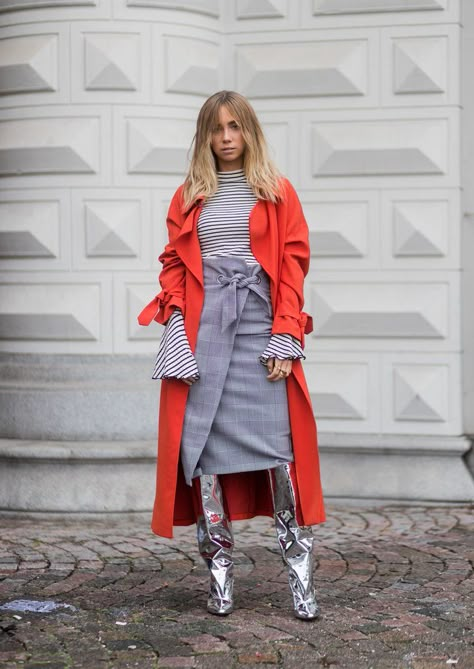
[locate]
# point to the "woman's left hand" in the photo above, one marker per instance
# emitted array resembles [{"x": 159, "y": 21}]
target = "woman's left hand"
[{"x": 278, "y": 369}]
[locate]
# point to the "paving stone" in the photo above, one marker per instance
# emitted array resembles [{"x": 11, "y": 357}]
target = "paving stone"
[{"x": 395, "y": 584}]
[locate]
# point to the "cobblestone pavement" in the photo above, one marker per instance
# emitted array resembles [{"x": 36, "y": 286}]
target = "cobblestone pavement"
[{"x": 395, "y": 586}]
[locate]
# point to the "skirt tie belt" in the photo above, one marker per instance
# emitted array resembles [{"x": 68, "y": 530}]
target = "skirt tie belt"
[{"x": 231, "y": 283}]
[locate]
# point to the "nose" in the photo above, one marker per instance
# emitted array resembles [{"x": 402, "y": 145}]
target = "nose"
[{"x": 226, "y": 135}]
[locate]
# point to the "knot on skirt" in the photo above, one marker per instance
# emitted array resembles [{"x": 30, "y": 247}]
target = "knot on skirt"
[
  {"x": 240, "y": 280},
  {"x": 231, "y": 283}
]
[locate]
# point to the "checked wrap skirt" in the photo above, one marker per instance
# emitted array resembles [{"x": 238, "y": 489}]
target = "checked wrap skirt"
[{"x": 235, "y": 420}]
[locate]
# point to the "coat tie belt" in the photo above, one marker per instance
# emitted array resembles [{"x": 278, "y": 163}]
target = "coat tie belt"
[{"x": 230, "y": 285}]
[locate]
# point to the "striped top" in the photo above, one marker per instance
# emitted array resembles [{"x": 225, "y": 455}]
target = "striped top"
[
  {"x": 223, "y": 230},
  {"x": 223, "y": 225}
]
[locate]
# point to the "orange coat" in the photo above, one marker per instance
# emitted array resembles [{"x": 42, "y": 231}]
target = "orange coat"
[{"x": 279, "y": 241}]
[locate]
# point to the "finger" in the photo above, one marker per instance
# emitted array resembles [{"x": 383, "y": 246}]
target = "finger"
[
  {"x": 286, "y": 366},
  {"x": 270, "y": 364},
  {"x": 275, "y": 374},
  {"x": 281, "y": 370}
]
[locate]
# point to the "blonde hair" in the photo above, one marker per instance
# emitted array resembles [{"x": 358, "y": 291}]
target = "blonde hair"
[{"x": 261, "y": 173}]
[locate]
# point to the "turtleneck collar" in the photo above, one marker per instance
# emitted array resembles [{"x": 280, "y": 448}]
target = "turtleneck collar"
[{"x": 231, "y": 174}]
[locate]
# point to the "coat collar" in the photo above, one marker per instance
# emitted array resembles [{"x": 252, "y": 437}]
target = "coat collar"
[{"x": 263, "y": 229}]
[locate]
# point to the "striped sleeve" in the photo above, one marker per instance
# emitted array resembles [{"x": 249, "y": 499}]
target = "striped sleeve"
[
  {"x": 283, "y": 347},
  {"x": 175, "y": 359}
]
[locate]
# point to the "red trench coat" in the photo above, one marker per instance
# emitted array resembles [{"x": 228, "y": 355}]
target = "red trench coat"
[{"x": 279, "y": 241}]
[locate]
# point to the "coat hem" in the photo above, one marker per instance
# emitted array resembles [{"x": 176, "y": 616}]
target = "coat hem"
[{"x": 185, "y": 522}]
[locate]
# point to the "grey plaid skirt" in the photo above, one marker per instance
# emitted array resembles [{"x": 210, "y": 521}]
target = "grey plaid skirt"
[{"x": 235, "y": 420}]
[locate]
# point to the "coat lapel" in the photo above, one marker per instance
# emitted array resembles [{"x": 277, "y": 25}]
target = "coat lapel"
[
  {"x": 263, "y": 228},
  {"x": 264, "y": 237},
  {"x": 187, "y": 243}
]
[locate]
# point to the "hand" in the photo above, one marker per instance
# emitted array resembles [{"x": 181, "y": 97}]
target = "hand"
[
  {"x": 276, "y": 366},
  {"x": 189, "y": 381}
]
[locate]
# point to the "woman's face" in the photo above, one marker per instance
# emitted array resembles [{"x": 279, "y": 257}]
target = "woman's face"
[{"x": 227, "y": 142}]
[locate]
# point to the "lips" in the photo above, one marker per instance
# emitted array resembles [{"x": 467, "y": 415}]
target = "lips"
[{"x": 228, "y": 150}]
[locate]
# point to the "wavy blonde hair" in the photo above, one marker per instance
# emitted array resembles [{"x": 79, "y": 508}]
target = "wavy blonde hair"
[{"x": 261, "y": 173}]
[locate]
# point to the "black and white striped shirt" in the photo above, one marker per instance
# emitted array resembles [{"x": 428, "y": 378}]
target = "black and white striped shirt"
[
  {"x": 223, "y": 225},
  {"x": 223, "y": 230}
]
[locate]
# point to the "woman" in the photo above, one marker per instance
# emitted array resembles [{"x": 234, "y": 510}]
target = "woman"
[{"x": 237, "y": 436}]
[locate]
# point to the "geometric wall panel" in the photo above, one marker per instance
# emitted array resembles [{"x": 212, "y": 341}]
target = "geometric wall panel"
[
  {"x": 421, "y": 392},
  {"x": 138, "y": 295},
  {"x": 210, "y": 7},
  {"x": 380, "y": 310},
  {"x": 157, "y": 145},
  {"x": 9, "y": 5},
  {"x": 353, "y": 6},
  {"x": 277, "y": 136},
  {"x": 420, "y": 228},
  {"x": 337, "y": 228},
  {"x": 50, "y": 311},
  {"x": 340, "y": 391},
  {"x": 336, "y": 67},
  {"x": 29, "y": 229},
  {"x": 111, "y": 61},
  {"x": 49, "y": 145},
  {"x": 191, "y": 65},
  {"x": 260, "y": 9},
  {"x": 28, "y": 63},
  {"x": 112, "y": 228},
  {"x": 380, "y": 147},
  {"x": 419, "y": 65}
]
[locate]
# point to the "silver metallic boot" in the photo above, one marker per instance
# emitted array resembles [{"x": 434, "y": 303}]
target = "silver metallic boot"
[
  {"x": 296, "y": 543},
  {"x": 216, "y": 542}
]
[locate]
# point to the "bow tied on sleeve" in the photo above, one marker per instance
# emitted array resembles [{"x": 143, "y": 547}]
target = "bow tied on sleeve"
[{"x": 305, "y": 321}]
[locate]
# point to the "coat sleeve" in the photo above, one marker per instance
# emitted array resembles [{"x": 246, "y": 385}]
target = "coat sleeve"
[
  {"x": 172, "y": 275},
  {"x": 289, "y": 317}
]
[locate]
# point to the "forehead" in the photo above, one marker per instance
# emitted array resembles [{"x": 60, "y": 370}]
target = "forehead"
[{"x": 225, "y": 115}]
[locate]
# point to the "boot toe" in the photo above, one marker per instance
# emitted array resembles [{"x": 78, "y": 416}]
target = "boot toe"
[
  {"x": 307, "y": 610},
  {"x": 219, "y": 607}
]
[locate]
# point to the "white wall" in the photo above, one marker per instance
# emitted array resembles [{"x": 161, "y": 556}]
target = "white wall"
[{"x": 360, "y": 100}]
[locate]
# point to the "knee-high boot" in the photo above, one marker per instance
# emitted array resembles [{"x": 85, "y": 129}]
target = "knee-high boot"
[
  {"x": 216, "y": 542},
  {"x": 295, "y": 541}
]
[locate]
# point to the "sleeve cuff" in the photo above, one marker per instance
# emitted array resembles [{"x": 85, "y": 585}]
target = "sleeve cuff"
[
  {"x": 175, "y": 359},
  {"x": 283, "y": 347}
]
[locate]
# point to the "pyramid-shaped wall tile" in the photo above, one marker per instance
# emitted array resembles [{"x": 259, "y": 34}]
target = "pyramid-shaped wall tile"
[
  {"x": 420, "y": 392},
  {"x": 420, "y": 228},
  {"x": 112, "y": 228},
  {"x": 380, "y": 147},
  {"x": 28, "y": 63},
  {"x": 50, "y": 312},
  {"x": 351, "y": 6},
  {"x": 401, "y": 310},
  {"x": 111, "y": 62},
  {"x": 33, "y": 4},
  {"x": 158, "y": 145},
  {"x": 312, "y": 68},
  {"x": 257, "y": 9},
  {"x": 337, "y": 228},
  {"x": 191, "y": 65},
  {"x": 419, "y": 65},
  {"x": 210, "y": 7},
  {"x": 44, "y": 146},
  {"x": 339, "y": 391},
  {"x": 29, "y": 229}
]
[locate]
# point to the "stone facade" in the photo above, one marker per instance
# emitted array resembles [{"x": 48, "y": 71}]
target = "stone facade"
[{"x": 362, "y": 104}]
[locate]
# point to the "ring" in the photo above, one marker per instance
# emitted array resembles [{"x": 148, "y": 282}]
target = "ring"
[{"x": 280, "y": 372}]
